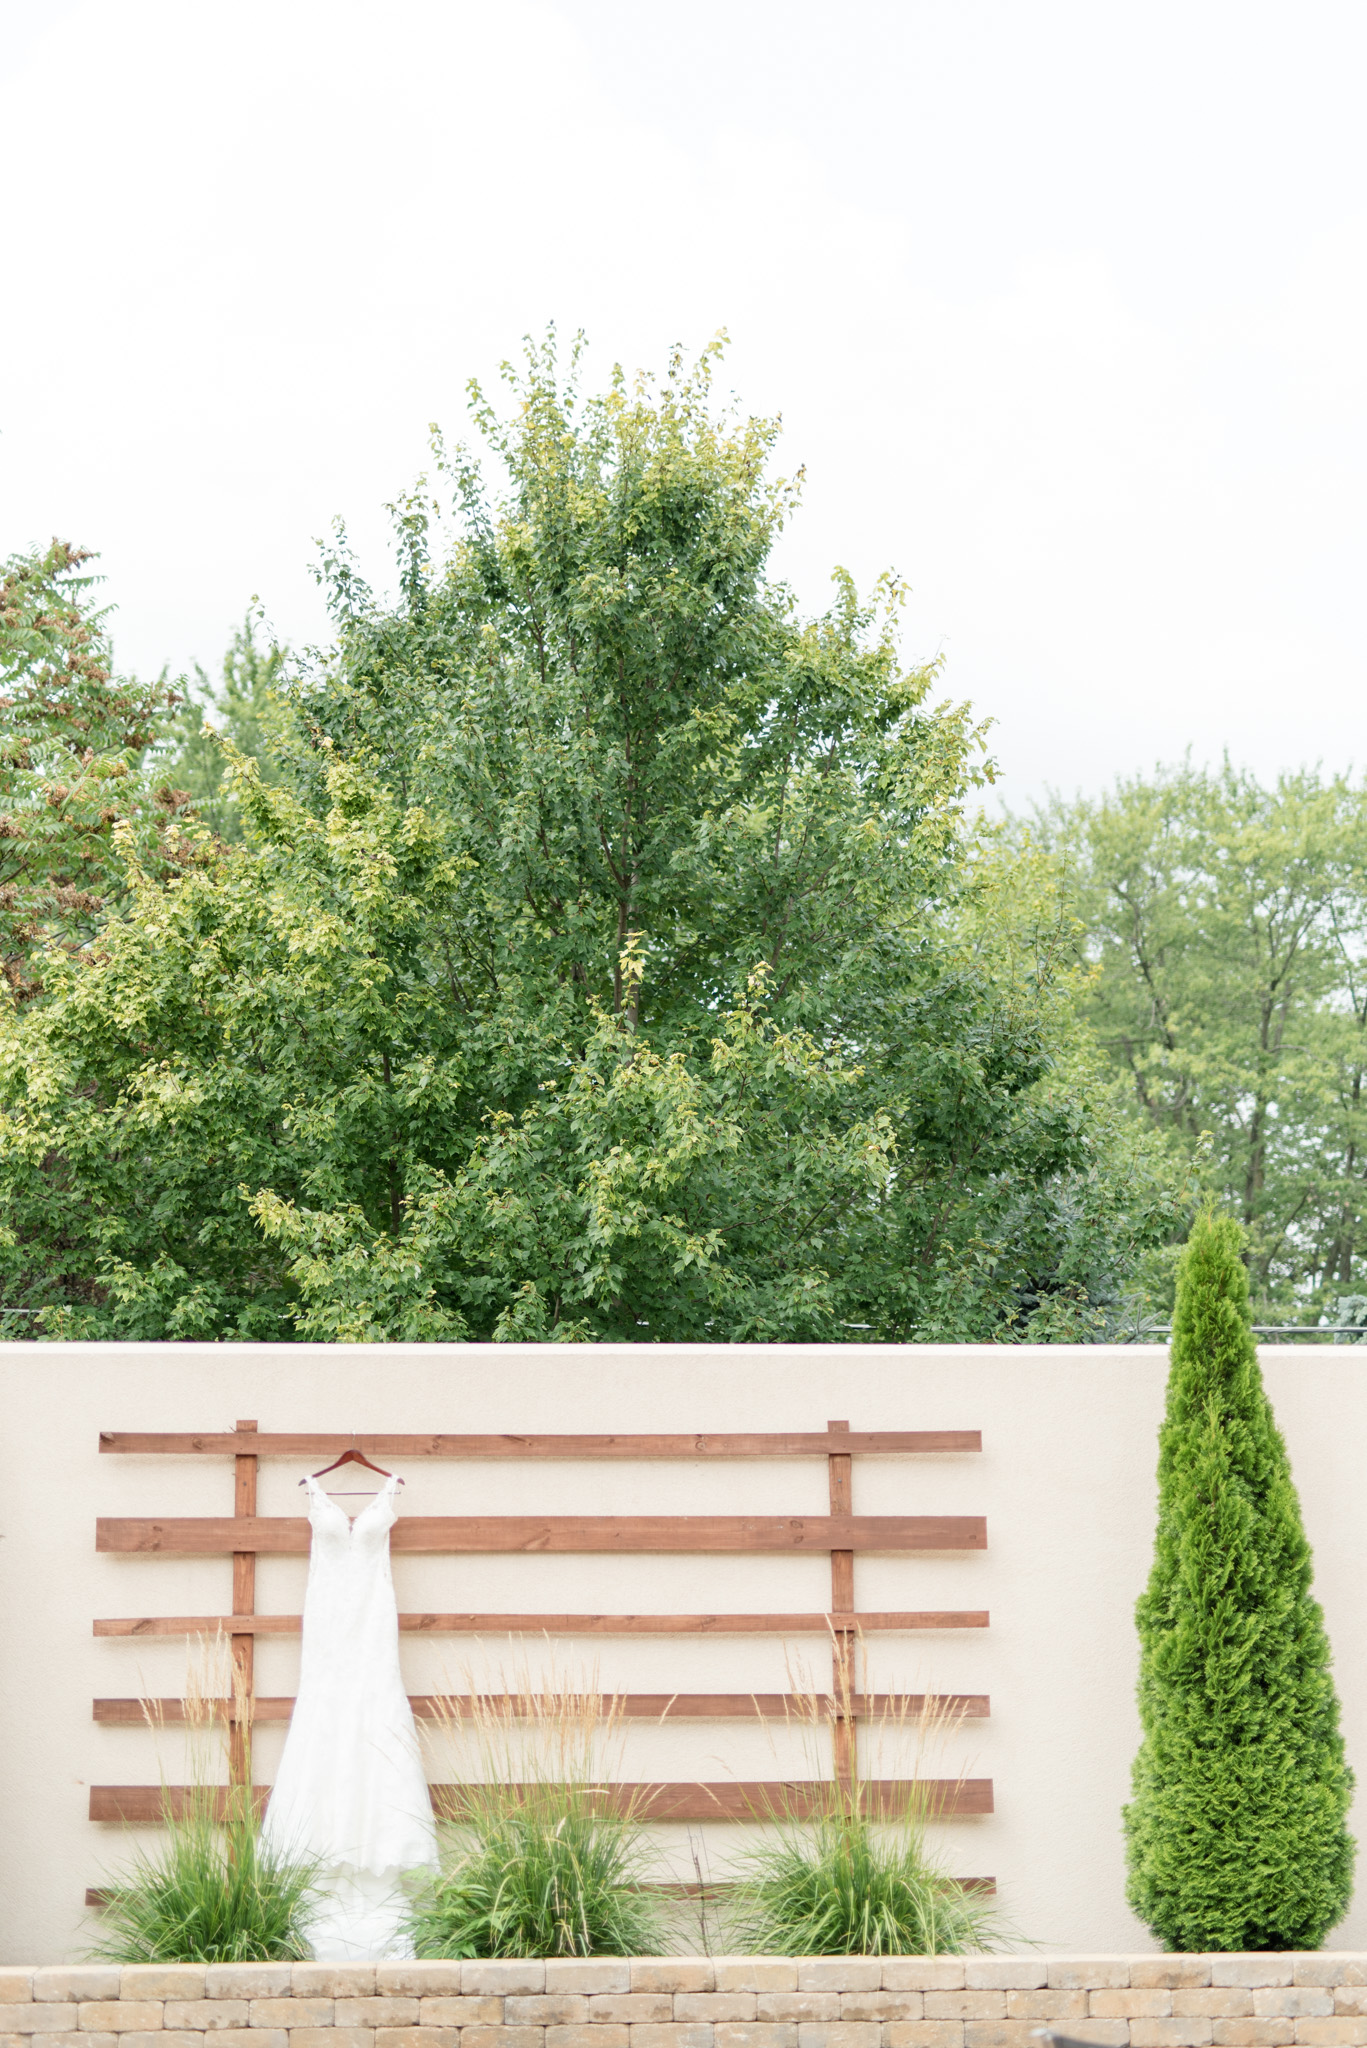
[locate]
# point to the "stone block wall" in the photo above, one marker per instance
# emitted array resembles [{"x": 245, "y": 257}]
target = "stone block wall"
[{"x": 1171, "y": 2001}]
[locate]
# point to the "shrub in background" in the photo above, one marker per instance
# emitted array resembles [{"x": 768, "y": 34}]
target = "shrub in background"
[
  {"x": 845, "y": 1885},
  {"x": 1236, "y": 1831},
  {"x": 209, "y": 1892},
  {"x": 536, "y": 1860}
]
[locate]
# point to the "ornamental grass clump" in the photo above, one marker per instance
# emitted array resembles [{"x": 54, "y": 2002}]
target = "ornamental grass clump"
[
  {"x": 1237, "y": 1831},
  {"x": 538, "y": 1857},
  {"x": 209, "y": 1892},
  {"x": 857, "y": 1877}
]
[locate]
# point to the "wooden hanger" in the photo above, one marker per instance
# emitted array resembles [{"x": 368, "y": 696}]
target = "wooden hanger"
[{"x": 351, "y": 1457}]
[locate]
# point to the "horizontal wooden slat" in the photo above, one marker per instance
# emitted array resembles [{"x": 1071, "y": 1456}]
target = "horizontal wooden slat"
[
  {"x": 632, "y": 1706},
  {"x": 727, "y": 1800},
  {"x": 495, "y": 1535},
  {"x": 704, "y": 1444},
  {"x": 875, "y": 1623}
]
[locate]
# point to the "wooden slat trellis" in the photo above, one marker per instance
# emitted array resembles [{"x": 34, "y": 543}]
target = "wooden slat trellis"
[{"x": 244, "y": 1536}]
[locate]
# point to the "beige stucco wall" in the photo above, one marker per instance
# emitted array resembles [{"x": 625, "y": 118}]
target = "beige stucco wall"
[{"x": 1065, "y": 1479}]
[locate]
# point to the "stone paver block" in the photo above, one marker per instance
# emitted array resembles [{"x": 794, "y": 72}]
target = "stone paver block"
[
  {"x": 1293, "y": 2002},
  {"x": 243, "y": 2037},
  {"x": 460, "y": 2012},
  {"x": 1100, "y": 2033},
  {"x": 755, "y": 1973},
  {"x": 923, "y": 2034},
  {"x": 1350, "y": 1998},
  {"x": 160, "y": 2039},
  {"x": 333, "y": 1980},
  {"x": 1046, "y": 2005},
  {"x": 1170, "y": 1973},
  {"x": 923, "y": 1973},
  {"x": 415, "y": 2037},
  {"x": 751, "y": 2034},
  {"x": 503, "y": 1977},
  {"x": 1341, "y": 1967},
  {"x": 42, "y": 2019},
  {"x": 672, "y": 1973},
  {"x": 503, "y": 2037},
  {"x": 839, "y": 1973},
  {"x": 1005, "y": 1973},
  {"x": 291, "y": 2012},
  {"x": 965, "y": 2005},
  {"x": 839, "y": 2034},
  {"x": 247, "y": 1980},
  {"x": 802, "y": 2005},
  {"x": 631, "y": 2008},
  {"x": 93, "y": 1980},
  {"x": 375, "y": 2012},
  {"x": 548, "y": 2009},
  {"x": 883, "y": 2005},
  {"x": 1213, "y": 2002},
  {"x": 162, "y": 1980},
  {"x": 1170, "y": 2033},
  {"x": 586, "y": 2036},
  {"x": 205, "y": 2015},
  {"x": 1130, "y": 2004},
  {"x": 711, "y": 2005},
  {"x": 1251, "y": 2033},
  {"x": 1342, "y": 2031},
  {"x": 1001, "y": 2034},
  {"x": 69, "y": 2040},
  {"x": 332, "y": 2037},
  {"x": 416, "y": 1980},
  {"x": 587, "y": 1974},
  {"x": 120, "y": 2015},
  {"x": 1257, "y": 1972},
  {"x": 1088, "y": 1973},
  {"x": 16, "y": 1987},
  {"x": 650, "y": 2035}
]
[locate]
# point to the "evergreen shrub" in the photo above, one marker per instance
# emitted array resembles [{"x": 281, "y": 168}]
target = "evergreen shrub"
[{"x": 1237, "y": 1830}]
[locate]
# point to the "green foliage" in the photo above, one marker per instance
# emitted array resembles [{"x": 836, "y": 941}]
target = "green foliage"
[
  {"x": 537, "y": 1871},
  {"x": 609, "y": 958},
  {"x": 842, "y": 1885},
  {"x": 209, "y": 1892},
  {"x": 1236, "y": 1831},
  {"x": 245, "y": 706},
  {"x": 1228, "y": 923},
  {"x": 73, "y": 737}
]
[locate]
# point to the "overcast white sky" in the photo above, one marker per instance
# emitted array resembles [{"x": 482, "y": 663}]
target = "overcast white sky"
[{"x": 1063, "y": 302}]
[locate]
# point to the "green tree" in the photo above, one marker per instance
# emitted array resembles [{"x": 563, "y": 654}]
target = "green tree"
[
  {"x": 73, "y": 741},
  {"x": 1237, "y": 1830},
  {"x": 614, "y": 959},
  {"x": 1228, "y": 924},
  {"x": 245, "y": 706}
]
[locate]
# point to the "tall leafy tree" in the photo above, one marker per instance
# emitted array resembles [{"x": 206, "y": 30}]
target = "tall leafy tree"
[
  {"x": 1228, "y": 924},
  {"x": 73, "y": 740},
  {"x": 609, "y": 958},
  {"x": 1237, "y": 1829}
]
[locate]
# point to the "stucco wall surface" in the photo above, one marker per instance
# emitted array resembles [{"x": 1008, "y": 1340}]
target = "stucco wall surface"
[{"x": 1065, "y": 1479}]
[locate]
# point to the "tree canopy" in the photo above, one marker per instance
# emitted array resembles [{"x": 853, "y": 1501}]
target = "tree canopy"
[
  {"x": 1228, "y": 925},
  {"x": 606, "y": 955}
]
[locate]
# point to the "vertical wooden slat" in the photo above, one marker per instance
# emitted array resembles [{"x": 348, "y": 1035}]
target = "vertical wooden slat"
[
  {"x": 843, "y": 1736},
  {"x": 244, "y": 1602}
]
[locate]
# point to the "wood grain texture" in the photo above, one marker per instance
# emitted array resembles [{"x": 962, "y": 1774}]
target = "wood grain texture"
[
  {"x": 728, "y": 1800},
  {"x": 704, "y": 1444},
  {"x": 492, "y": 1535},
  {"x": 888, "y": 1622},
  {"x": 632, "y": 1706},
  {"x": 244, "y": 1602}
]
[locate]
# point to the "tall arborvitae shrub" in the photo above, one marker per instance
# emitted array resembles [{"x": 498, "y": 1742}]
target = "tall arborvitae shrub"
[{"x": 1237, "y": 1835}]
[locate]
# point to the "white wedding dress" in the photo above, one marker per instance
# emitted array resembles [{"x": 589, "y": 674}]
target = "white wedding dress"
[{"x": 351, "y": 1790}]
